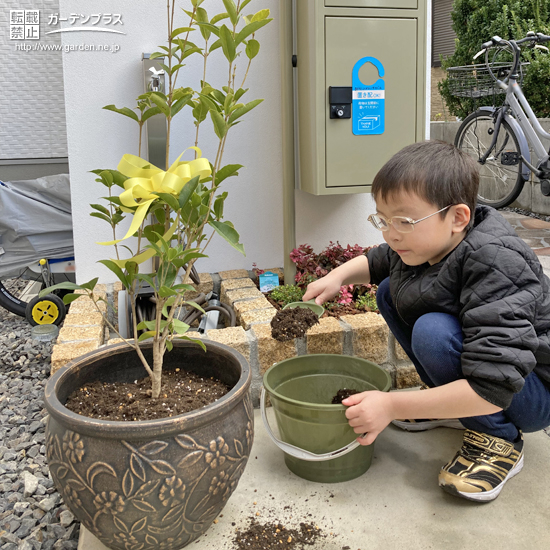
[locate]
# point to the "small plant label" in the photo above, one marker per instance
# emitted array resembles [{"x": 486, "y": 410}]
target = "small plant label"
[{"x": 268, "y": 281}]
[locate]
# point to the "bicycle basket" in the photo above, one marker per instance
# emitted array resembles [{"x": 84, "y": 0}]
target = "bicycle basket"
[{"x": 476, "y": 81}]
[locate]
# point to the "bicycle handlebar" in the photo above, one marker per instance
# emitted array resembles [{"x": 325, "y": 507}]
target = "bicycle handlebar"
[{"x": 531, "y": 37}]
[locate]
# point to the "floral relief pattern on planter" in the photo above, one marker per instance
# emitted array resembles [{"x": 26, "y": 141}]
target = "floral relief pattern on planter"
[{"x": 162, "y": 495}]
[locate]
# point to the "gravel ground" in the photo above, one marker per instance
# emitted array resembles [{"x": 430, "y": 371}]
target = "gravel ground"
[
  {"x": 527, "y": 213},
  {"x": 32, "y": 513}
]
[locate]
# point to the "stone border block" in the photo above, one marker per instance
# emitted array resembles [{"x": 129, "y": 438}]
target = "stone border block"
[
  {"x": 257, "y": 316},
  {"x": 64, "y": 353},
  {"x": 205, "y": 286},
  {"x": 83, "y": 319},
  {"x": 233, "y": 274},
  {"x": 370, "y": 336},
  {"x": 250, "y": 305},
  {"x": 271, "y": 351},
  {"x": 406, "y": 377},
  {"x": 71, "y": 334},
  {"x": 234, "y": 337},
  {"x": 232, "y": 296},
  {"x": 326, "y": 337}
]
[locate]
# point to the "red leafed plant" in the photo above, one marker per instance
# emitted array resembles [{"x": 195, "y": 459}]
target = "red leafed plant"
[{"x": 311, "y": 266}]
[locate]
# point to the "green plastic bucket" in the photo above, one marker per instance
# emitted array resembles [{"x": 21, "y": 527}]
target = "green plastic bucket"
[{"x": 318, "y": 443}]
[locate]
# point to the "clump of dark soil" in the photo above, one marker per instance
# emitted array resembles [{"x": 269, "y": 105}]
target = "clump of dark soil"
[
  {"x": 292, "y": 323},
  {"x": 341, "y": 395},
  {"x": 181, "y": 392},
  {"x": 265, "y": 536}
]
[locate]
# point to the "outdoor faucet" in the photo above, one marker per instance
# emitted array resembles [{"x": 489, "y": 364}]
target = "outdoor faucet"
[{"x": 155, "y": 83}]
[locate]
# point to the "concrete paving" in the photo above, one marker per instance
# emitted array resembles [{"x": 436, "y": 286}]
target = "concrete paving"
[{"x": 397, "y": 503}]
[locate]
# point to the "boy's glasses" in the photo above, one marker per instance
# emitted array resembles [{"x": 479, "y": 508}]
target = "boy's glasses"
[{"x": 401, "y": 223}]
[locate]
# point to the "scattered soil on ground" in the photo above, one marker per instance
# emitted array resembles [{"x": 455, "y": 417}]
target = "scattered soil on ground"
[
  {"x": 341, "y": 395},
  {"x": 264, "y": 536},
  {"x": 292, "y": 323},
  {"x": 181, "y": 392}
]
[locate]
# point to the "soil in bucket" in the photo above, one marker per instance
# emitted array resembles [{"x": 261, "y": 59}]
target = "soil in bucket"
[
  {"x": 301, "y": 390},
  {"x": 342, "y": 394}
]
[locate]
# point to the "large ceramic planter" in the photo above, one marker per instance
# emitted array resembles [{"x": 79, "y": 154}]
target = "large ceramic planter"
[{"x": 154, "y": 484}]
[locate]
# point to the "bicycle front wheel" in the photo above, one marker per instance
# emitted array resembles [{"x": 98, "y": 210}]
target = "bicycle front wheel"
[{"x": 500, "y": 177}]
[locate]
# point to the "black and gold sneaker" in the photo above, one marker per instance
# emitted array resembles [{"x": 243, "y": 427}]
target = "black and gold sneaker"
[{"x": 482, "y": 466}]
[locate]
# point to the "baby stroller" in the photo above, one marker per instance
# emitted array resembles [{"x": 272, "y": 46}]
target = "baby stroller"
[{"x": 36, "y": 246}]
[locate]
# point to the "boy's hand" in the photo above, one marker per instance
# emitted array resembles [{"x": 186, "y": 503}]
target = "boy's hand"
[
  {"x": 323, "y": 289},
  {"x": 369, "y": 412}
]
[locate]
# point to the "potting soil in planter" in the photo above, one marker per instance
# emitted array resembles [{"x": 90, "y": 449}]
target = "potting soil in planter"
[
  {"x": 292, "y": 323},
  {"x": 181, "y": 392}
]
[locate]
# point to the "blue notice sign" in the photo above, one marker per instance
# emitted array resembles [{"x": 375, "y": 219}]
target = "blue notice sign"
[
  {"x": 368, "y": 102},
  {"x": 268, "y": 281}
]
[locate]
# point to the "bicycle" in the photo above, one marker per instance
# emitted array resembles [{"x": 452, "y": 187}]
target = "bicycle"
[{"x": 499, "y": 137}]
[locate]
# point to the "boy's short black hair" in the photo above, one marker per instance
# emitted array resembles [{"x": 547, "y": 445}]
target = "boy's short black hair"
[{"x": 436, "y": 171}]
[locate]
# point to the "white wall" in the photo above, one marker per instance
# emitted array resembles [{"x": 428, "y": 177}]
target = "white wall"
[{"x": 98, "y": 139}]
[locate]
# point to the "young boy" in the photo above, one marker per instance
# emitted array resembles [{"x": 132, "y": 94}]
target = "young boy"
[{"x": 468, "y": 301}]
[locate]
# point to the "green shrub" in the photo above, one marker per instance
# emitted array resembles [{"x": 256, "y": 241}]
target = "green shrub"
[
  {"x": 475, "y": 22},
  {"x": 367, "y": 302},
  {"x": 287, "y": 294}
]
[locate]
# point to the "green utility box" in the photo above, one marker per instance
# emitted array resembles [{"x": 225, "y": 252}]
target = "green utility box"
[{"x": 361, "y": 88}]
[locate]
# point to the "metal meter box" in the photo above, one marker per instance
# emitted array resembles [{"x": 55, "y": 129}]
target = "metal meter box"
[{"x": 361, "y": 88}]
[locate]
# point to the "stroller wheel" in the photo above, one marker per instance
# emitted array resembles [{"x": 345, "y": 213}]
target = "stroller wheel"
[{"x": 49, "y": 310}]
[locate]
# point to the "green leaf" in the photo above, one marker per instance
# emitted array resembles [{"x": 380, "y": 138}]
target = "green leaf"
[
  {"x": 180, "y": 104},
  {"x": 101, "y": 208},
  {"x": 252, "y": 48},
  {"x": 187, "y": 257},
  {"x": 250, "y": 29},
  {"x": 226, "y": 172},
  {"x": 123, "y": 111},
  {"x": 228, "y": 233},
  {"x": 60, "y": 286},
  {"x": 228, "y": 102},
  {"x": 190, "y": 288},
  {"x": 70, "y": 298},
  {"x": 132, "y": 269},
  {"x": 220, "y": 126},
  {"x": 260, "y": 16},
  {"x": 147, "y": 278},
  {"x": 165, "y": 292},
  {"x": 215, "y": 46},
  {"x": 169, "y": 345},
  {"x": 187, "y": 191},
  {"x": 90, "y": 285},
  {"x": 237, "y": 113},
  {"x": 176, "y": 32},
  {"x": 195, "y": 305},
  {"x": 116, "y": 270},
  {"x": 232, "y": 11},
  {"x": 100, "y": 216},
  {"x": 149, "y": 113},
  {"x": 218, "y": 96},
  {"x": 149, "y": 325},
  {"x": 179, "y": 326},
  {"x": 228, "y": 44},
  {"x": 199, "y": 342},
  {"x": 160, "y": 101},
  {"x": 219, "y": 17},
  {"x": 239, "y": 93},
  {"x": 170, "y": 200},
  {"x": 190, "y": 51},
  {"x": 218, "y": 205},
  {"x": 210, "y": 27},
  {"x": 146, "y": 335}
]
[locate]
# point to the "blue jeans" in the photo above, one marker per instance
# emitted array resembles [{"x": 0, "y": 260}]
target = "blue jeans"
[{"x": 434, "y": 345}]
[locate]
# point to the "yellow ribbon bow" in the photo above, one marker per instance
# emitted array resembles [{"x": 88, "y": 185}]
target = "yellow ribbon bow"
[{"x": 145, "y": 179}]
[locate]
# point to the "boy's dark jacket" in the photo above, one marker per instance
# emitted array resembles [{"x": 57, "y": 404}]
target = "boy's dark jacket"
[{"x": 494, "y": 283}]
